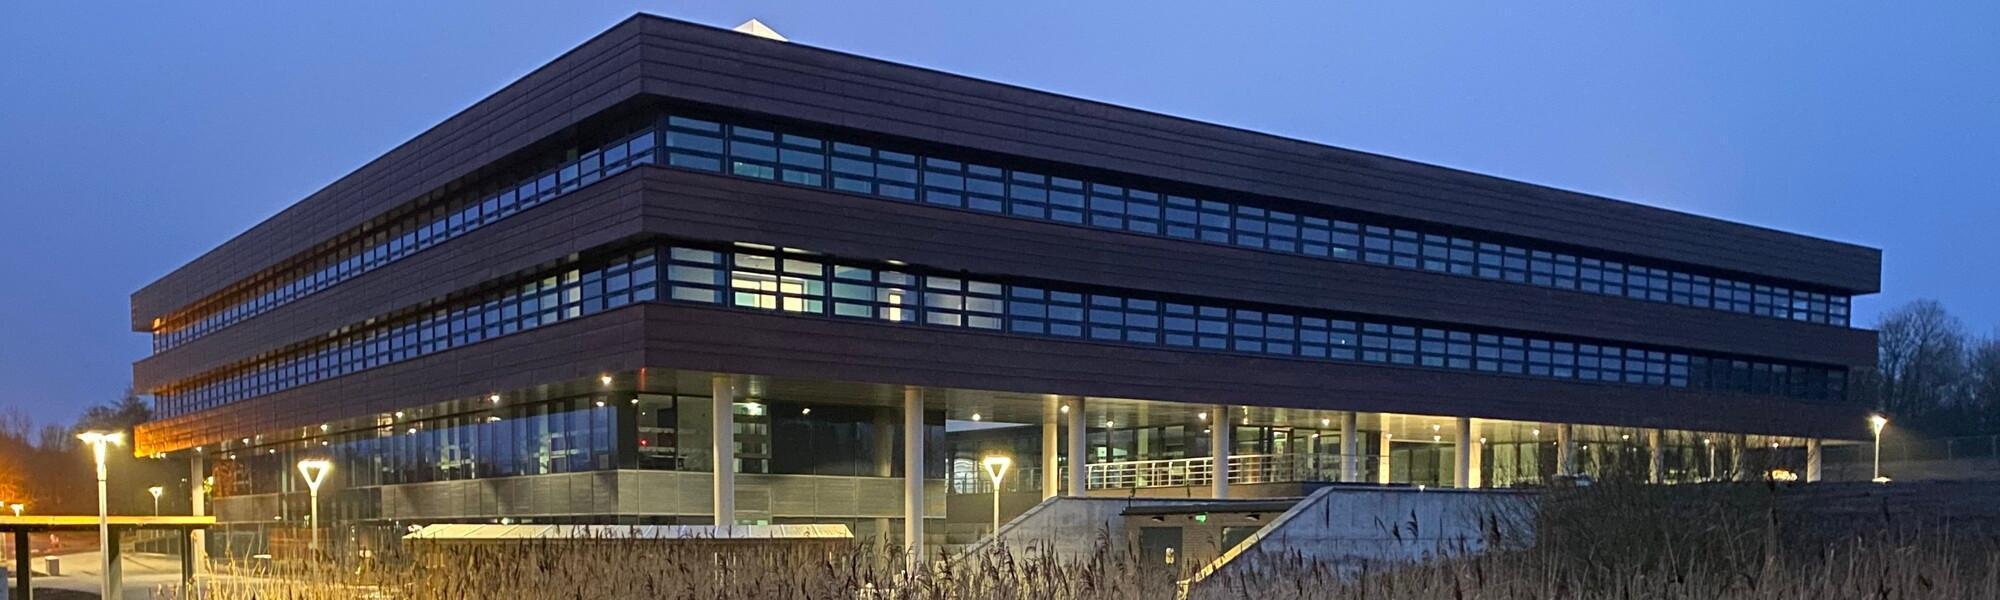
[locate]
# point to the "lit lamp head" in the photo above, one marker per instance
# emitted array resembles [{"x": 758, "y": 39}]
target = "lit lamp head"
[
  {"x": 996, "y": 467},
  {"x": 98, "y": 440},
  {"x": 156, "y": 491},
  {"x": 315, "y": 471},
  {"x": 17, "y": 508},
  {"x": 1876, "y": 422}
]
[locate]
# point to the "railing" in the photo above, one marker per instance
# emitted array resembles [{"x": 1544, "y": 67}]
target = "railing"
[
  {"x": 1180, "y": 472},
  {"x": 1021, "y": 479},
  {"x": 1243, "y": 469}
]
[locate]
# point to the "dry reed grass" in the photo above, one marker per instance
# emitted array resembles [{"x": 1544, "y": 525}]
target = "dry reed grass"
[{"x": 1612, "y": 542}]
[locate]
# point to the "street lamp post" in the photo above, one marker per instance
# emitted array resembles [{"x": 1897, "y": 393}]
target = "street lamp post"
[
  {"x": 996, "y": 467},
  {"x": 314, "y": 471},
  {"x": 156, "y": 491},
  {"x": 1875, "y": 423},
  {"x": 98, "y": 441},
  {"x": 17, "y": 508}
]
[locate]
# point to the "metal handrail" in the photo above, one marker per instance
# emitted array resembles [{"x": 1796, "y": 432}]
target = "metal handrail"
[
  {"x": 1243, "y": 469},
  {"x": 1181, "y": 472}
]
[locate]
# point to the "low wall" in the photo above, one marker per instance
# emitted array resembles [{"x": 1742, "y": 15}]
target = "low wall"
[
  {"x": 1345, "y": 527},
  {"x": 1071, "y": 528}
]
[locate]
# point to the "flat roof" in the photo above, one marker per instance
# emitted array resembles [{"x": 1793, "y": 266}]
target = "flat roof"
[{"x": 89, "y": 522}]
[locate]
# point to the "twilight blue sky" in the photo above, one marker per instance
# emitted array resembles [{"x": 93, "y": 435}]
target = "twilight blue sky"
[{"x": 137, "y": 136}]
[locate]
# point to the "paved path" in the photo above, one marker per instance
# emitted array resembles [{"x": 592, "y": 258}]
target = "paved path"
[{"x": 144, "y": 573}]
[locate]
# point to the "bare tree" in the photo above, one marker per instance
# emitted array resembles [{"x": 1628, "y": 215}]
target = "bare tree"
[
  {"x": 128, "y": 412},
  {"x": 1983, "y": 370},
  {"x": 54, "y": 438},
  {"x": 1922, "y": 370}
]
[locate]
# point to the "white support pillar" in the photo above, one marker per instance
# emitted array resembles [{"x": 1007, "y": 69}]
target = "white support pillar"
[
  {"x": 1461, "y": 470},
  {"x": 1714, "y": 468},
  {"x": 1813, "y": 465},
  {"x": 1565, "y": 450},
  {"x": 1382, "y": 458},
  {"x": 1350, "y": 447},
  {"x": 198, "y": 503},
  {"x": 1739, "y": 444},
  {"x": 1477, "y": 466},
  {"x": 913, "y": 473},
  {"x": 1656, "y": 457},
  {"x": 1051, "y": 448},
  {"x": 722, "y": 435},
  {"x": 1079, "y": 458},
  {"x": 1218, "y": 446}
]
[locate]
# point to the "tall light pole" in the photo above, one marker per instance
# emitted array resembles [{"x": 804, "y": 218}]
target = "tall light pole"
[
  {"x": 156, "y": 491},
  {"x": 1875, "y": 423},
  {"x": 314, "y": 471},
  {"x": 996, "y": 467},
  {"x": 17, "y": 508},
  {"x": 98, "y": 441}
]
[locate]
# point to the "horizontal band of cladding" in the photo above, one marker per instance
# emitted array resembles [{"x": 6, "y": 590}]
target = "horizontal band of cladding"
[
  {"x": 607, "y": 342},
  {"x": 716, "y": 208},
  {"x": 708, "y": 207},
  {"x": 719, "y": 339},
  {"x": 812, "y": 84},
  {"x": 716, "y": 339},
  {"x": 705, "y": 207},
  {"x": 591, "y": 218},
  {"x": 582, "y": 83},
  {"x": 1452, "y": 210},
  {"x": 602, "y": 73}
]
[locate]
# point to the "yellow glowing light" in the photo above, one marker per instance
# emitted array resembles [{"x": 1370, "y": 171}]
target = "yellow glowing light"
[
  {"x": 996, "y": 467},
  {"x": 315, "y": 471}
]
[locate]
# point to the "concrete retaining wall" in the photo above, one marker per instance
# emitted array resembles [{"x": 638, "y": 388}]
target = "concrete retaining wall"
[
  {"x": 1344, "y": 527},
  {"x": 1070, "y": 527}
]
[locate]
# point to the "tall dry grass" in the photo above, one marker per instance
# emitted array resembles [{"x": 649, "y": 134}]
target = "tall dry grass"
[{"x": 1610, "y": 542}]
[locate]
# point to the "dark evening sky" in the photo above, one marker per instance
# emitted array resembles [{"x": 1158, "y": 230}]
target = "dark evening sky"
[{"x": 137, "y": 136}]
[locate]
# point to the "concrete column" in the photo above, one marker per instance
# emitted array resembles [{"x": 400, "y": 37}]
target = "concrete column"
[
  {"x": 187, "y": 559},
  {"x": 1565, "y": 450},
  {"x": 1656, "y": 457},
  {"x": 1079, "y": 458},
  {"x": 1813, "y": 466},
  {"x": 1478, "y": 464},
  {"x": 722, "y": 447},
  {"x": 1218, "y": 448},
  {"x": 1738, "y": 444},
  {"x": 913, "y": 472},
  {"x": 24, "y": 576},
  {"x": 114, "y": 564},
  {"x": 1382, "y": 458},
  {"x": 1051, "y": 447},
  {"x": 1461, "y": 469},
  {"x": 1350, "y": 447},
  {"x": 198, "y": 501}
]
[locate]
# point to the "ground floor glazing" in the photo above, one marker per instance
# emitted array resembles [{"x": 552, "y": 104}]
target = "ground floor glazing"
[{"x": 640, "y": 447}]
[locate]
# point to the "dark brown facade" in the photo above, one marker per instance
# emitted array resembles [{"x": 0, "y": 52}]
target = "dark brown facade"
[{"x": 647, "y": 62}]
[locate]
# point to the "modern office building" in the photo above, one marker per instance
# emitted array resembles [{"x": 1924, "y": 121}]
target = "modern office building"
[{"x": 855, "y": 280}]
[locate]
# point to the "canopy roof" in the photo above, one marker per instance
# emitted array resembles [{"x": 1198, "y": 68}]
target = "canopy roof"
[{"x": 89, "y": 522}]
